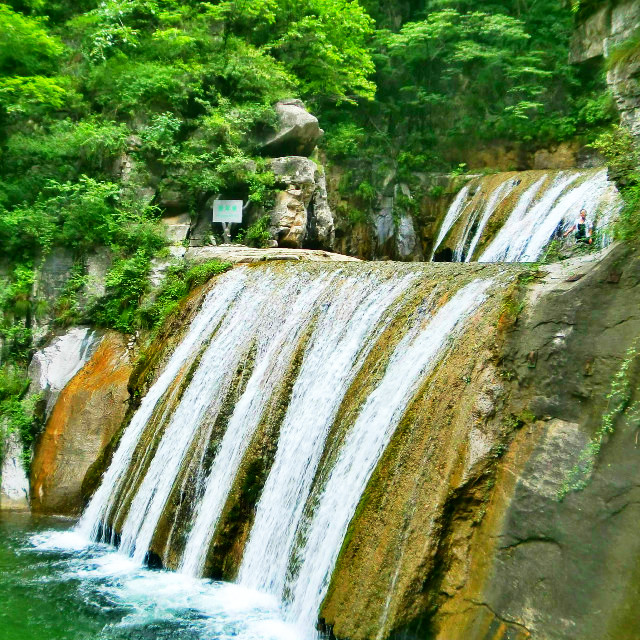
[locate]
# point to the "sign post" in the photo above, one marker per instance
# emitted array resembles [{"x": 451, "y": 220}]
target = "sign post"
[{"x": 226, "y": 212}]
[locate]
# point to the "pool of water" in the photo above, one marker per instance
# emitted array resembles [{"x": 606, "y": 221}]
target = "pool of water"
[{"x": 55, "y": 586}]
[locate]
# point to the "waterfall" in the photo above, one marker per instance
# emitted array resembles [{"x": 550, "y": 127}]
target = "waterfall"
[
  {"x": 213, "y": 309},
  {"x": 523, "y": 210},
  {"x": 341, "y": 342},
  {"x": 416, "y": 354},
  {"x": 527, "y": 232},
  {"x": 248, "y": 319},
  {"x": 274, "y": 355},
  {"x": 343, "y": 350},
  {"x": 454, "y": 212},
  {"x": 518, "y": 232},
  {"x": 496, "y": 198}
]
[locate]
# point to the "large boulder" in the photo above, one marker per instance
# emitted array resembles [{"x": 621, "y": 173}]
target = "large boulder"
[
  {"x": 53, "y": 367},
  {"x": 298, "y": 131},
  {"x": 301, "y": 216},
  {"x": 88, "y": 411}
]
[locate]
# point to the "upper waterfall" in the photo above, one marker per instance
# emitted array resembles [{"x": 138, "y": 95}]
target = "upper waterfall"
[
  {"x": 513, "y": 216},
  {"x": 317, "y": 363}
]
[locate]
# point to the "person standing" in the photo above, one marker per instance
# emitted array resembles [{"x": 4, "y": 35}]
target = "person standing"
[{"x": 582, "y": 229}]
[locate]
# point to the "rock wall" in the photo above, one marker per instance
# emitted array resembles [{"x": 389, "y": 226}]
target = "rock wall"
[
  {"x": 596, "y": 36},
  {"x": 14, "y": 484},
  {"x": 88, "y": 411}
]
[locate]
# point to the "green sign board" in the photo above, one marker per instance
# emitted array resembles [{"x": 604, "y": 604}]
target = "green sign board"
[{"x": 227, "y": 211}]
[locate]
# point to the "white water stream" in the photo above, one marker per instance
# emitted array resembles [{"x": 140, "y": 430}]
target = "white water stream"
[
  {"x": 213, "y": 309},
  {"x": 278, "y": 342},
  {"x": 341, "y": 341},
  {"x": 495, "y": 199},
  {"x": 454, "y": 212},
  {"x": 416, "y": 354},
  {"x": 552, "y": 202}
]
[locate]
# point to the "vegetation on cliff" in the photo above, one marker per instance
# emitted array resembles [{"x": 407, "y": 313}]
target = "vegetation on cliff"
[{"x": 113, "y": 111}]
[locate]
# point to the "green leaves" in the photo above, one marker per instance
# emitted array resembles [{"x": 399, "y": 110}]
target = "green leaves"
[
  {"x": 26, "y": 49},
  {"x": 326, "y": 46},
  {"x": 27, "y": 55}
]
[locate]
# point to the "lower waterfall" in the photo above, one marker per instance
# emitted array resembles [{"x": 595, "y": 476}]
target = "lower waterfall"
[{"x": 345, "y": 348}]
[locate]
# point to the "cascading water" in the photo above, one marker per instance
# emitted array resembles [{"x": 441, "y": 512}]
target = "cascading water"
[
  {"x": 494, "y": 200},
  {"x": 514, "y": 216},
  {"x": 204, "y": 394},
  {"x": 272, "y": 361},
  {"x": 213, "y": 309},
  {"x": 411, "y": 361},
  {"x": 379, "y": 328},
  {"x": 341, "y": 341},
  {"x": 454, "y": 212}
]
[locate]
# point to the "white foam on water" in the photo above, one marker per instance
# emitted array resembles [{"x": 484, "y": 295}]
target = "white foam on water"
[{"x": 151, "y": 598}]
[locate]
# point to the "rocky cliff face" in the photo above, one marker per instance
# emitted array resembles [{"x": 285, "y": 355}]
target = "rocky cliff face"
[
  {"x": 596, "y": 36},
  {"x": 87, "y": 411}
]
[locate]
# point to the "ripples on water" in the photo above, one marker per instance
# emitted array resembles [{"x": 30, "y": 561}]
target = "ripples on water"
[{"x": 54, "y": 586}]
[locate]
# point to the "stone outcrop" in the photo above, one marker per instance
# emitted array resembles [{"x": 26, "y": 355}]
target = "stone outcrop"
[
  {"x": 301, "y": 216},
  {"x": 53, "y": 367},
  {"x": 624, "y": 80},
  {"x": 298, "y": 131},
  {"x": 596, "y": 36},
  {"x": 88, "y": 411},
  {"x": 14, "y": 484}
]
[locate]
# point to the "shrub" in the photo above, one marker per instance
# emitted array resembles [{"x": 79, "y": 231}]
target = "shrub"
[{"x": 258, "y": 234}]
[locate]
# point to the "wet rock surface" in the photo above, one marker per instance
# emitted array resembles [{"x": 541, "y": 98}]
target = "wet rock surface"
[
  {"x": 54, "y": 366},
  {"x": 88, "y": 411},
  {"x": 475, "y": 543}
]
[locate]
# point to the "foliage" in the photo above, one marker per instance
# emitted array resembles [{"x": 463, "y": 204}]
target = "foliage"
[
  {"x": 179, "y": 281},
  {"x": 623, "y": 158},
  {"x": 28, "y": 54},
  {"x": 618, "y": 404},
  {"x": 257, "y": 234},
  {"x": 454, "y": 74}
]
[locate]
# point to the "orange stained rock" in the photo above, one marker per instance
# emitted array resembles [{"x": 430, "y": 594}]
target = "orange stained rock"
[{"x": 86, "y": 415}]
